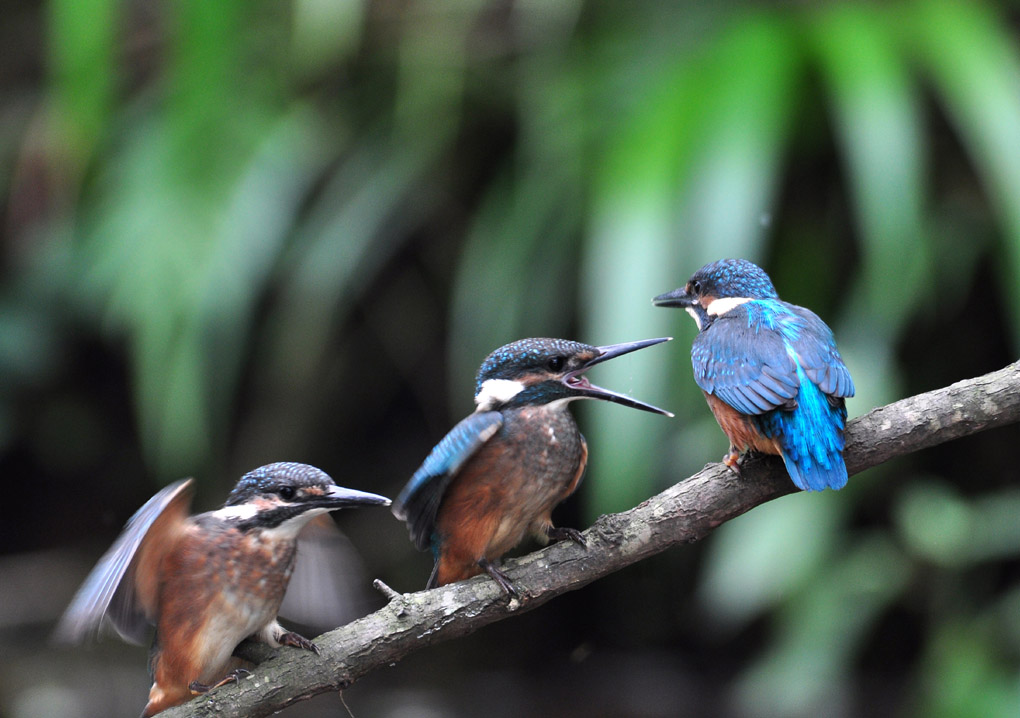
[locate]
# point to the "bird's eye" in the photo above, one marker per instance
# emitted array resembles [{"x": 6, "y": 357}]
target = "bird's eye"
[
  {"x": 286, "y": 492},
  {"x": 696, "y": 287},
  {"x": 556, "y": 363}
]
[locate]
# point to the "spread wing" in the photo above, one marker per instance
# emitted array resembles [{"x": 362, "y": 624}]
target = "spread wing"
[
  {"x": 752, "y": 367},
  {"x": 119, "y": 587},
  {"x": 325, "y": 587},
  {"x": 419, "y": 502}
]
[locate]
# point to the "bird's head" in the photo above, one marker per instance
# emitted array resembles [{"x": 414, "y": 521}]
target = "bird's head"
[
  {"x": 717, "y": 288},
  {"x": 547, "y": 371},
  {"x": 284, "y": 496}
]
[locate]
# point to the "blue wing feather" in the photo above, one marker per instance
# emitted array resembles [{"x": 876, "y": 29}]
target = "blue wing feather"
[
  {"x": 419, "y": 501},
  {"x": 749, "y": 369},
  {"x": 109, "y": 591}
]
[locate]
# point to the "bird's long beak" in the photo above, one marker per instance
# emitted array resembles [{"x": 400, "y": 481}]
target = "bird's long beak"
[
  {"x": 580, "y": 385},
  {"x": 677, "y": 298},
  {"x": 340, "y": 497}
]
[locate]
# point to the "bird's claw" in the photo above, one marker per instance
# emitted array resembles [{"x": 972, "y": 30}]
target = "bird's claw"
[
  {"x": 233, "y": 677},
  {"x": 732, "y": 460},
  {"x": 501, "y": 578},
  {"x": 289, "y": 638},
  {"x": 559, "y": 533}
]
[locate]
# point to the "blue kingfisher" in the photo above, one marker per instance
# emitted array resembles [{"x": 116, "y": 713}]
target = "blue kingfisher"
[
  {"x": 208, "y": 581},
  {"x": 770, "y": 371},
  {"x": 496, "y": 477}
]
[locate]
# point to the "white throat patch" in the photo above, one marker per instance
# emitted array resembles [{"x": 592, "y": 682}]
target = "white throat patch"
[
  {"x": 289, "y": 529},
  {"x": 495, "y": 392},
  {"x": 695, "y": 316},
  {"x": 718, "y": 307}
]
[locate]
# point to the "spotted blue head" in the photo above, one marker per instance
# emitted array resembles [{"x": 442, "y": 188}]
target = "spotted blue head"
[
  {"x": 286, "y": 489},
  {"x": 544, "y": 371},
  {"x": 718, "y": 287}
]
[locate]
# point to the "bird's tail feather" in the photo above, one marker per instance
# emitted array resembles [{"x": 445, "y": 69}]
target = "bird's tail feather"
[{"x": 811, "y": 475}]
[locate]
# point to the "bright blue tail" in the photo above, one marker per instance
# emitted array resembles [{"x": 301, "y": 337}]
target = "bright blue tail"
[
  {"x": 811, "y": 438},
  {"x": 812, "y": 475}
]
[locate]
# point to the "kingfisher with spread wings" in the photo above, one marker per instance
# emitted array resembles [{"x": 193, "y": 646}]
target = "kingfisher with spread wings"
[{"x": 208, "y": 581}]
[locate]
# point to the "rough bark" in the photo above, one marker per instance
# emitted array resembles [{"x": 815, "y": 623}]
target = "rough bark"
[{"x": 683, "y": 513}]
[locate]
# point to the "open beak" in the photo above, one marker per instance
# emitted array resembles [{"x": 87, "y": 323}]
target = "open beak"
[
  {"x": 676, "y": 298},
  {"x": 580, "y": 385},
  {"x": 338, "y": 497}
]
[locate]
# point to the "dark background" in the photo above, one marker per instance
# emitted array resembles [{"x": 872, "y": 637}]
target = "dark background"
[{"x": 241, "y": 232}]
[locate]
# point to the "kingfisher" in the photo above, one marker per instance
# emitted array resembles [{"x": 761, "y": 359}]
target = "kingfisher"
[
  {"x": 497, "y": 475},
  {"x": 770, "y": 371},
  {"x": 207, "y": 581}
]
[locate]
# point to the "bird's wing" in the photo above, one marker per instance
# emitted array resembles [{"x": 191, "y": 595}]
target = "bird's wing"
[
  {"x": 119, "y": 587},
  {"x": 419, "y": 502},
  {"x": 749, "y": 369},
  {"x": 324, "y": 590},
  {"x": 754, "y": 367},
  {"x": 818, "y": 356}
]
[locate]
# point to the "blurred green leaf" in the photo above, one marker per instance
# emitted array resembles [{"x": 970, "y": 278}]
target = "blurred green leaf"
[
  {"x": 758, "y": 561},
  {"x": 820, "y": 629},
  {"x": 964, "y": 676},
  {"x": 82, "y": 46},
  {"x": 877, "y": 116},
  {"x": 975, "y": 67},
  {"x": 325, "y": 32},
  {"x": 941, "y": 526},
  {"x": 935, "y": 522}
]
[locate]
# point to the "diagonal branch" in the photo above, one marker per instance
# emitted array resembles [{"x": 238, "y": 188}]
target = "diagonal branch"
[{"x": 683, "y": 513}]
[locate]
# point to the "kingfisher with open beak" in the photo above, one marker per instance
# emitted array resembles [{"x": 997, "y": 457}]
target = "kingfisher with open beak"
[
  {"x": 496, "y": 477},
  {"x": 770, "y": 371},
  {"x": 208, "y": 581}
]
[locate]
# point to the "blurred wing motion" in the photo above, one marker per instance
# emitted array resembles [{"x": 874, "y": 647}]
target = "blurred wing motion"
[
  {"x": 419, "y": 502},
  {"x": 324, "y": 590},
  {"x": 122, "y": 587}
]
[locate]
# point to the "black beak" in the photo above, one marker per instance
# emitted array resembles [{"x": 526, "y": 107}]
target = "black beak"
[
  {"x": 338, "y": 497},
  {"x": 580, "y": 386},
  {"x": 676, "y": 298}
]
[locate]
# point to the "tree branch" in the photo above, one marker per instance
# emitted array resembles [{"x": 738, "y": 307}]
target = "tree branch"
[{"x": 683, "y": 513}]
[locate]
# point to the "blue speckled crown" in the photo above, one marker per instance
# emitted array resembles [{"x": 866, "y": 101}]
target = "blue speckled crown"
[
  {"x": 736, "y": 278},
  {"x": 268, "y": 478},
  {"x": 508, "y": 361}
]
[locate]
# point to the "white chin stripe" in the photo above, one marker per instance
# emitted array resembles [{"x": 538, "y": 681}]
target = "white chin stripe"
[
  {"x": 718, "y": 307},
  {"x": 497, "y": 391},
  {"x": 694, "y": 316}
]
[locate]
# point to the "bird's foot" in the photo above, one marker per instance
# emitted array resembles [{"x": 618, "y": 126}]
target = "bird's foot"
[
  {"x": 732, "y": 460},
  {"x": 289, "y": 638},
  {"x": 233, "y": 677},
  {"x": 559, "y": 533},
  {"x": 499, "y": 577}
]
